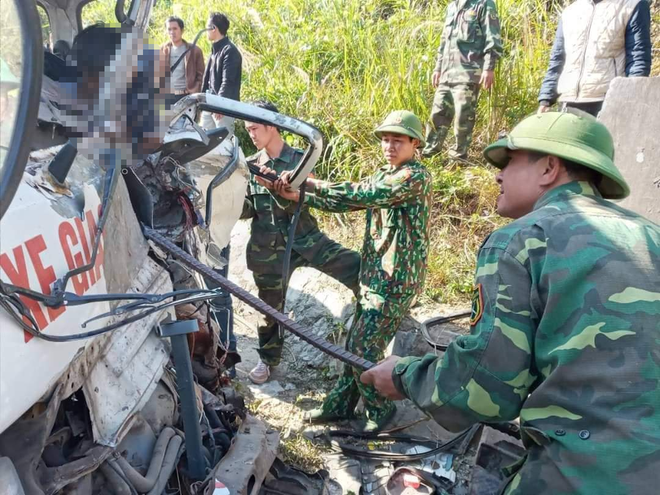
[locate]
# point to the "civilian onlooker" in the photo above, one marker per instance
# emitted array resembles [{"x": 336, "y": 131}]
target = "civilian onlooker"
[
  {"x": 222, "y": 76},
  {"x": 61, "y": 49},
  {"x": 187, "y": 75},
  {"x": 596, "y": 41}
]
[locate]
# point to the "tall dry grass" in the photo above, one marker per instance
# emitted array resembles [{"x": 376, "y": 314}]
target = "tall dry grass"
[{"x": 344, "y": 64}]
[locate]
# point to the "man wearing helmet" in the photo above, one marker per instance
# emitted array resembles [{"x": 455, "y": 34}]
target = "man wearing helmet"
[
  {"x": 564, "y": 327},
  {"x": 394, "y": 256}
]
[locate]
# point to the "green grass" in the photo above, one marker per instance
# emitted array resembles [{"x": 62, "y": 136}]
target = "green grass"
[{"x": 344, "y": 64}]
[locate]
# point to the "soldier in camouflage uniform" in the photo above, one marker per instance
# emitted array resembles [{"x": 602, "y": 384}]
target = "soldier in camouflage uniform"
[
  {"x": 394, "y": 256},
  {"x": 468, "y": 53},
  {"x": 268, "y": 238},
  {"x": 565, "y": 321}
]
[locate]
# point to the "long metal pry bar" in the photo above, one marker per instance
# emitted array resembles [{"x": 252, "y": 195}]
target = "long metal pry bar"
[{"x": 256, "y": 303}]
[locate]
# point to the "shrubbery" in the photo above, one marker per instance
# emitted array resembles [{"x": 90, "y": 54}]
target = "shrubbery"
[{"x": 344, "y": 64}]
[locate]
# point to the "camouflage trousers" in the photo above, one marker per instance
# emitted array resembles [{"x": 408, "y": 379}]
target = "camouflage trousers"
[
  {"x": 455, "y": 103},
  {"x": 338, "y": 262},
  {"x": 376, "y": 321}
]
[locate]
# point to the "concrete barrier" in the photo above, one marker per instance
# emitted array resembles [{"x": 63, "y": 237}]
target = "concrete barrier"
[{"x": 632, "y": 114}]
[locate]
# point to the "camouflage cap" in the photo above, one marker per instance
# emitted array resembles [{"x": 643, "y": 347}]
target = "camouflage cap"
[
  {"x": 579, "y": 138},
  {"x": 402, "y": 122}
]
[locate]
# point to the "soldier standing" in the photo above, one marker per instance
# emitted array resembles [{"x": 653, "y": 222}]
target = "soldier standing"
[
  {"x": 394, "y": 257},
  {"x": 468, "y": 53},
  {"x": 564, "y": 327},
  {"x": 268, "y": 239}
]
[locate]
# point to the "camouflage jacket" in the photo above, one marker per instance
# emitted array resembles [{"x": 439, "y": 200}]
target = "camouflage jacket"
[
  {"x": 270, "y": 222},
  {"x": 470, "y": 43},
  {"x": 396, "y": 241},
  {"x": 565, "y": 335}
]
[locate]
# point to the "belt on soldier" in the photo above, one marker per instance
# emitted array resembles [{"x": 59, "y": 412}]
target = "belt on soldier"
[{"x": 181, "y": 92}]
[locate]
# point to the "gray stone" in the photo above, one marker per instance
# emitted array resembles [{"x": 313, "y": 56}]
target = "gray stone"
[
  {"x": 267, "y": 390},
  {"x": 631, "y": 114},
  {"x": 318, "y": 302},
  {"x": 345, "y": 471},
  {"x": 409, "y": 340}
]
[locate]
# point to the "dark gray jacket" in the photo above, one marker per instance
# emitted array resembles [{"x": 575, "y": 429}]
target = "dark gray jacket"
[{"x": 222, "y": 76}]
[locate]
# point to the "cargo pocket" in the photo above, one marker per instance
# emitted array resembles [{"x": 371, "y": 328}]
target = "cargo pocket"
[
  {"x": 261, "y": 254},
  {"x": 469, "y": 27}
]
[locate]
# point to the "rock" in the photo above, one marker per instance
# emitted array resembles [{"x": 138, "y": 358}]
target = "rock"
[
  {"x": 346, "y": 472},
  {"x": 267, "y": 390},
  {"x": 409, "y": 340}
]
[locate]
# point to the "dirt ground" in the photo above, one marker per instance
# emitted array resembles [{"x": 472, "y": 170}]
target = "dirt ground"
[{"x": 295, "y": 387}]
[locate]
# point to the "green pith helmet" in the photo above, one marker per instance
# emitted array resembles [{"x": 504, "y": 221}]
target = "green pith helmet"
[
  {"x": 402, "y": 122},
  {"x": 578, "y": 138}
]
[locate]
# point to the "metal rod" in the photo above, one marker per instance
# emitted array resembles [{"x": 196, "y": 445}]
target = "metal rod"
[
  {"x": 256, "y": 303},
  {"x": 186, "y": 387}
]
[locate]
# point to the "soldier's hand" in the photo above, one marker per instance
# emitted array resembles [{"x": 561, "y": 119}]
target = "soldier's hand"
[
  {"x": 263, "y": 181},
  {"x": 487, "y": 79},
  {"x": 280, "y": 186},
  {"x": 435, "y": 80},
  {"x": 380, "y": 376},
  {"x": 285, "y": 178},
  {"x": 543, "y": 109}
]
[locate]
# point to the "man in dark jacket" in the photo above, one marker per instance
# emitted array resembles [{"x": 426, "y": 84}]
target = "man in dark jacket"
[
  {"x": 187, "y": 76},
  {"x": 223, "y": 70},
  {"x": 596, "y": 41}
]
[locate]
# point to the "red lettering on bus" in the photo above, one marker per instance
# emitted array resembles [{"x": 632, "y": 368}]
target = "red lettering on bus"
[
  {"x": 45, "y": 274},
  {"x": 68, "y": 239},
  {"x": 17, "y": 275},
  {"x": 82, "y": 238}
]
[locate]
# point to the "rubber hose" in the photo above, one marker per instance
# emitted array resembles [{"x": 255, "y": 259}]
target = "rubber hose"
[
  {"x": 169, "y": 463},
  {"x": 213, "y": 418},
  {"x": 112, "y": 462},
  {"x": 145, "y": 483},
  {"x": 117, "y": 484}
]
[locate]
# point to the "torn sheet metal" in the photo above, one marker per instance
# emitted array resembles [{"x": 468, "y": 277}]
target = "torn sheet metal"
[{"x": 132, "y": 360}]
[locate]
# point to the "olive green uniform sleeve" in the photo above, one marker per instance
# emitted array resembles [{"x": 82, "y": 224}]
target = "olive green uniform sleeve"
[
  {"x": 382, "y": 190},
  {"x": 484, "y": 376},
  {"x": 564, "y": 335},
  {"x": 490, "y": 23},
  {"x": 471, "y": 41}
]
